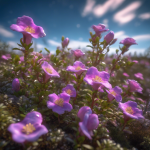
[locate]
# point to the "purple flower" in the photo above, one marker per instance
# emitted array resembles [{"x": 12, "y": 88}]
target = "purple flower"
[
  {"x": 96, "y": 78},
  {"x": 16, "y": 85},
  {"x": 109, "y": 37},
  {"x": 139, "y": 75},
  {"x": 130, "y": 110},
  {"x": 115, "y": 93},
  {"x": 65, "y": 42},
  {"x": 6, "y": 57},
  {"x": 135, "y": 61},
  {"x": 89, "y": 121},
  {"x": 30, "y": 129},
  {"x": 26, "y": 26},
  {"x": 134, "y": 86},
  {"x": 49, "y": 71},
  {"x": 128, "y": 42},
  {"x": 100, "y": 28},
  {"x": 78, "y": 68},
  {"x": 60, "y": 103},
  {"x": 70, "y": 90},
  {"x": 125, "y": 74},
  {"x": 77, "y": 53},
  {"x": 21, "y": 59}
]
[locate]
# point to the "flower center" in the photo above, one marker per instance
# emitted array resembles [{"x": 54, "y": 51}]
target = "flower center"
[
  {"x": 97, "y": 79},
  {"x": 78, "y": 68},
  {"x": 129, "y": 110},
  {"x": 59, "y": 102},
  {"x": 29, "y": 128},
  {"x": 29, "y": 29},
  {"x": 49, "y": 70},
  {"x": 113, "y": 93},
  {"x": 69, "y": 92}
]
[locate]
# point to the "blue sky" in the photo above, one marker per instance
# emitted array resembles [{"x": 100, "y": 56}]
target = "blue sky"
[{"x": 74, "y": 18}]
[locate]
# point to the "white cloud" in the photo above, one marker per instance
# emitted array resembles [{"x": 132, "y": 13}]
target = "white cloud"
[
  {"x": 110, "y": 5},
  {"x": 80, "y": 38},
  {"x": 144, "y": 16},
  {"x": 5, "y": 32},
  {"x": 54, "y": 43},
  {"x": 127, "y": 14},
  {"x": 72, "y": 44},
  {"x": 76, "y": 44},
  {"x": 13, "y": 44},
  {"x": 105, "y": 22},
  {"x": 40, "y": 46},
  {"x": 142, "y": 37},
  {"x": 88, "y": 7},
  {"x": 101, "y": 9},
  {"x": 120, "y": 35},
  {"x": 131, "y": 50},
  {"x": 78, "y": 25}
]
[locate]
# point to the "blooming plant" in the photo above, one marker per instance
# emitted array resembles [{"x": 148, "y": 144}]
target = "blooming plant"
[{"x": 82, "y": 93}]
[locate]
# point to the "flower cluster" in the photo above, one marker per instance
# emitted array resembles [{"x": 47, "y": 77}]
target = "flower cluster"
[{"x": 46, "y": 77}]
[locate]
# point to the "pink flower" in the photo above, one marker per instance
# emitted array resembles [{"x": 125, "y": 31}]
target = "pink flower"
[
  {"x": 139, "y": 75},
  {"x": 100, "y": 28},
  {"x": 78, "y": 53},
  {"x": 6, "y": 57},
  {"x": 89, "y": 121},
  {"x": 109, "y": 37},
  {"x": 134, "y": 86},
  {"x": 125, "y": 74},
  {"x": 65, "y": 42},
  {"x": 135, "y": 61},
  {"x": 26, "y": 26}
]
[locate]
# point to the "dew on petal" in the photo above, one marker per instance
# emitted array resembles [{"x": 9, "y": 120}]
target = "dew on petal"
[{"x": 29, "y": 128}]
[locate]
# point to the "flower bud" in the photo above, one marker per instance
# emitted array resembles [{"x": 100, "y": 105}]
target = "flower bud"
[
  {"x": 16, "y": 85},
  {"x": 109, "y": 37},
  {"x": 65, "y": 42}
]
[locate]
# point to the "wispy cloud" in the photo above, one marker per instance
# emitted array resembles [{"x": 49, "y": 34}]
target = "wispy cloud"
[
  {"x": 105, "y": 22},
  {"x": 144, "y": 16},
  {"x": 142, "y": 37},
  {"x": 88, "y": 7},
  {"x": 54, "y": 43},
  {"x": 74, "y": 44},
  {"x": 100, "y": 9},
  {"x": 40, "y": 46},
  {"x": 5, "y": 32},
  {"x": 131, "y": 50},
  {"x": 110, "y": 5},
  {"x": 80, "y": 38},
  {"x": 120, "y": 35},
  {"x": 12, "y": 44},
  {"x": 127, "y": 14}
]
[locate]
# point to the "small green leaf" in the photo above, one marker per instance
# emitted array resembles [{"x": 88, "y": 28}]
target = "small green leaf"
[
  {"x": 57, "y": 52},
  {"x": 47, "y": 50},
  {"x": 16, "y": 49},
  {"x": 89, "y": 46}
]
